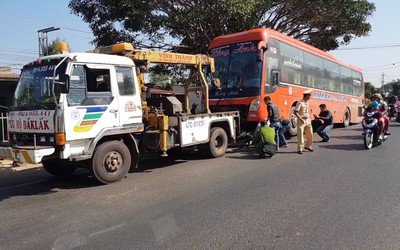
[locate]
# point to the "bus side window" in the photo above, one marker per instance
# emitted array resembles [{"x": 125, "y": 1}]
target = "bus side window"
[
  {"x": 272, "y": 65},
  {"x": 297, "y": 78},
  {"x": 330, "y": 84},
  {"x": 285, "y": 76},
  {"x": 332, "y": 78}
]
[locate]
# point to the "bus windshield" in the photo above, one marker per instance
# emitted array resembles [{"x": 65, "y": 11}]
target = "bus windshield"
[
  {"x": 35, "y": 86},
  {"x": 238, "y": 70}
]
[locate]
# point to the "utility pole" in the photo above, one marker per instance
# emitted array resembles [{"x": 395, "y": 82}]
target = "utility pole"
[
  {"x": 43, "y": 40},
  {"x": 382, "y": 83}
]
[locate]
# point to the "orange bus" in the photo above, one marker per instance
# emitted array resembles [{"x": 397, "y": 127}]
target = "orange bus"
[{"x": 260, "y": 62}]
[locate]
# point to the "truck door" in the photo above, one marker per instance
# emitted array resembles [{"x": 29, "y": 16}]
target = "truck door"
[
  {"x": 91, "y": 102},
  {"x": 129, "y": 100}
]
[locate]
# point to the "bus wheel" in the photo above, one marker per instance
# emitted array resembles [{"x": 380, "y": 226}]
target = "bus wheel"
[
  {"x": 293, "y": 122},
  {"x": 346, "y": 118},
  {"x": 111, "y": 162},
  {"x": 218, "y": 143},
  {"x": 59, "y": 168}
]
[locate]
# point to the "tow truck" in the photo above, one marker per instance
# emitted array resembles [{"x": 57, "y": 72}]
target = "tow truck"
[{"x": 93, "y": 110}]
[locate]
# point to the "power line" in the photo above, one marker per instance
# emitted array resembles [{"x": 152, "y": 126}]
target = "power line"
[
  {"x": 385, "y": 65},
  {"x": 22, "y": 51},
  {"x": 25, "y": 18},
  {"x": 372, "y": 47}
]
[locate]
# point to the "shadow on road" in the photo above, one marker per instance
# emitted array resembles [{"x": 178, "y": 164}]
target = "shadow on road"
[
  {"x": 174, "y": 157},
  {"x": 345, "y": 147},
  {"x": 246, "y": 153},
  {"x": 48, "y": 185},
  {"x": 349, "y": 137}
]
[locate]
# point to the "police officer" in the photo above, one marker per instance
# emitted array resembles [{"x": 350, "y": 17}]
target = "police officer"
[{"x": 304, "y": 123}]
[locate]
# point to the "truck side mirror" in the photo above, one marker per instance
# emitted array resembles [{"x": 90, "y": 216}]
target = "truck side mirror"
[{"x": 63, "y": 83}]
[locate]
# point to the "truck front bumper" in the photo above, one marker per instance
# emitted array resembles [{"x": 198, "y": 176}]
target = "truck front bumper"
[{"x": 25, "y": 154}]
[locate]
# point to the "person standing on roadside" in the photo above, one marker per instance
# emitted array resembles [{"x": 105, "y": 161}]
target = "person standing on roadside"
[
  {"x": 304, "y": 123},
  {"x": 326, "y": 116},
  {"x": 274, "y": 118}
]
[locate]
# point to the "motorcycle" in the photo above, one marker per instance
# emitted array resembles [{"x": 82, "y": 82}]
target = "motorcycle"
[
  {"x": 392, "y": 111},
  {"x": 371, "y": 129},
  {"x": 397, "y": 115}
]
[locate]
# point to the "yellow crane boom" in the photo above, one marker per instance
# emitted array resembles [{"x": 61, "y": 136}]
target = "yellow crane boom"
[{"x": 144, "y": 57}]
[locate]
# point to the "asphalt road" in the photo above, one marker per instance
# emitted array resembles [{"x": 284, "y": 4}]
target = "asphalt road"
[{"x": 340, "y": 196}]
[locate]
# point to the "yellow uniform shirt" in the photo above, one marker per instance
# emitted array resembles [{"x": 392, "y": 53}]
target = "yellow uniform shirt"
[{"x": 302, "y": 108}]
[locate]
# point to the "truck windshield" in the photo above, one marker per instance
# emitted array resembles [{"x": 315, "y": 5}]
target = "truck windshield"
[
  {"x": 35, "y": 86},
  {"x": 238, "y": 70}
]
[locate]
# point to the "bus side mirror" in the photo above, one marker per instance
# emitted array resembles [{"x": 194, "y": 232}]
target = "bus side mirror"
[
  {"x": 261, "y": 47},
  {"x": 260, "y": 54},
  {"x": 275, "y": 77}
]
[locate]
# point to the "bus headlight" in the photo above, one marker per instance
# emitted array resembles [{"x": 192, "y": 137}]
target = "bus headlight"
[{"x": 254, "y": 105}]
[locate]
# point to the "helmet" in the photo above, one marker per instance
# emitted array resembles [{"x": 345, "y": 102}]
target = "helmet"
[
  {"x": 375, "y": 104},
  {"x": 377, "y": 95}
]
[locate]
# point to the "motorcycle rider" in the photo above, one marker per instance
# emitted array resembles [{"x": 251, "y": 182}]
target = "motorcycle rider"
[
  {"x": 374, "y": 107},
  {"x": 392, "y": 107},
  {"x": 397, "y": 104},
  {"x": 392, "y": 100},
  {"x": 384, "y": 120}
]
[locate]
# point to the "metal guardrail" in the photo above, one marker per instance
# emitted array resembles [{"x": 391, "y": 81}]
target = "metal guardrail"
[{"x": 3, "y": 127}]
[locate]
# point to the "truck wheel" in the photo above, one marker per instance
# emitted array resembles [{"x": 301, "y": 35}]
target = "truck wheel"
[
  {"x": 111, "y": 162},
  {"x": 218, "y": 143},
  {"x": 346, "y": 118},
  {"x": 59, "y": 168}
]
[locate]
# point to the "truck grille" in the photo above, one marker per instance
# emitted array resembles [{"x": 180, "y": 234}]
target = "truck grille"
[{"x": 27, "y": 139}]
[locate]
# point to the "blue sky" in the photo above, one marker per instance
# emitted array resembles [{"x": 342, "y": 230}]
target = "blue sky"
[
  {"x": 380, "y": 51},
  {"x": 21, "y": 19}
]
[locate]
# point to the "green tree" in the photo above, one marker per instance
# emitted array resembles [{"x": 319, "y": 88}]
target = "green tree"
[
  {"x": 392, "y": 88},
  {"x": 370, "y": 89},
  {"x": 396, "y": 88},
  {"x": 325, "y": 24}
]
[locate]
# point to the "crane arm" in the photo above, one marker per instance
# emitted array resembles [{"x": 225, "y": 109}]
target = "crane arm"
[{"x": 144, "y": 57}]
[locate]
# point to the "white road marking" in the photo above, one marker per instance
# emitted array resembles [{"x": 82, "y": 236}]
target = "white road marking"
[{"x": 108, "y": 229}]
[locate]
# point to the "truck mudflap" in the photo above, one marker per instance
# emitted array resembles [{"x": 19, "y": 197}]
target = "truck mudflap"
[{"x": 25, "y": 154}]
